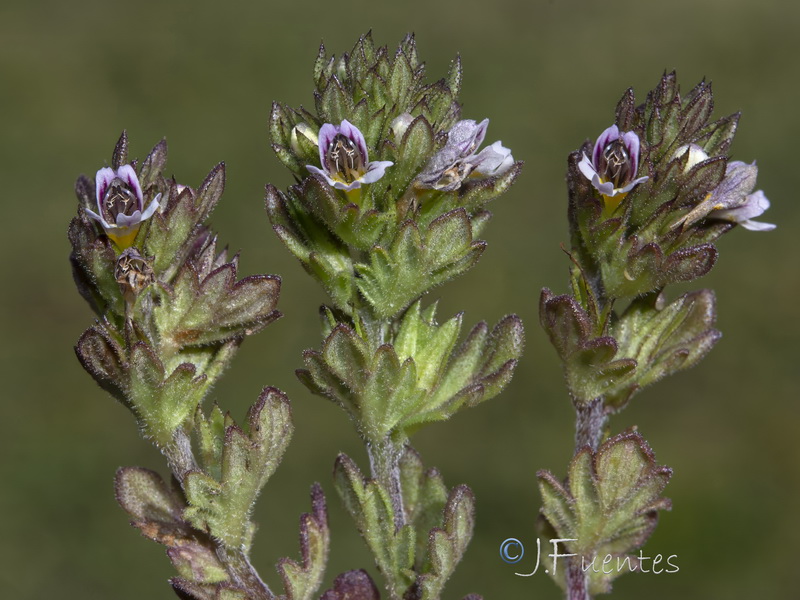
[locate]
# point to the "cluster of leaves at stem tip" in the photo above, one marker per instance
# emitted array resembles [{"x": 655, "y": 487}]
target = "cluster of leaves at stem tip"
[
  {"x": 389, "y": 202},
  {"x": 170, "y": 316},
  {"x": 647, "y": 201}
]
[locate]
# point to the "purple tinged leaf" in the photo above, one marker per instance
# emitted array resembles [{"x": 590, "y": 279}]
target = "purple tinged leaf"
[
  {"x": 352, "y": 585},
  {"x": 302, "y": 579},
  {"x": 210, "y": 191},
  {"x": 120, "y": 155},
  {"x": 104, "y": 359},
  {"x": 154, "y": 164}
]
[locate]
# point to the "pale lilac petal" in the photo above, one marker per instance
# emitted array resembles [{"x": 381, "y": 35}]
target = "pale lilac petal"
[
  {"x": 462, "y": 138},
  {"x": 102, "y": 180},
  {"x": 754, "y": 205},
  {"x": 339, "y": 185},
  {"x": 128, "y": 175},
  {"x": 352, "y": 132},
  {"x": 607, "y": 188},
  {"x": 332, "y": 182},
  {"x": 320, "y": 172},
  {"x": 98, "y": 218},
  {"x": 757, "y": 225},
  {"x": 493, "y": 160},
  {"x": 151, "y": 208},
  {"x": 375, "y": 170},
  {"x": 587, "y": 168},
  {"x": 480, "y": 133},
  {"x": 631, "y": 185},
  {"x": 129, "y": 220},
  {"x": 739, "y": 180},
  {"x": 631, "y": 141},
  {"x": 609, "y": 135},
  {"x": 326, "y": 134}
]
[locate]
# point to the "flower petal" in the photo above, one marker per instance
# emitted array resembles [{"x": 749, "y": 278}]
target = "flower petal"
[
  {"x": 631, "y": 185},
  {"x": 375, "y": 170},
  {"x": 609, "y": 135},
  {"x": 587, "y": 168},
  {"x": 607, "y": 188},
  {"x": 493, "y": 160},
  {"x": 321, "y": 173},
  {"x": 99, "y": 218},
  {"x": 102, "y": 180},
  {"x": 464, "y": 138},
  {"x": 754, "y": 205},
  {"x": 151, "y": 208},
  {"x": 352, "y": 132},
  {"x": 128, "y": 175},
  {"x": 480, "y": 134},
  {"x": 326, "y": 134},
  {"x": 631, "y": 141},
  {"x": 340, "y": 185},
  {"x": 757, "y": 225},
  {"x": 129, "y": 220}
]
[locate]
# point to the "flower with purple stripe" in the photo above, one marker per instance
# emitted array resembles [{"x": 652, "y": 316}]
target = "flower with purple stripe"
[
  {"x": 447, "y": 170},
  {"x": 614, "y": 164},
  {"x": 733, "y": 199},
  {"x": 120, "y": 204},
  {"x": 344, "y": 158}
]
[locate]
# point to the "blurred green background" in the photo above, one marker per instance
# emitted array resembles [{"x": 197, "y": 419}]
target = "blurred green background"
[{"x": 548, "y": 74}]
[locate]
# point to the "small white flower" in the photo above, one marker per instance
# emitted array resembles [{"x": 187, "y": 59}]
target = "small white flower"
[
  {"x": 120, "y": 204},
  {"x": 449, "y": 167},
  {"x": 344, "y": 159},
  {"x": 733, "y": 200},
  {"x": 614, "y": 163}
]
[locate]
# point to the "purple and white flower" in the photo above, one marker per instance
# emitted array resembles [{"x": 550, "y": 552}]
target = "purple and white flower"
[
  {"x": 344, "y": 159},
  {"x": 754, "y": 205},
  {"x": 734, "y": 199},
  {"x": 120, "y": 204},
  {"x": 449, "y": 167},
  {"x": 614, "y": 163}
]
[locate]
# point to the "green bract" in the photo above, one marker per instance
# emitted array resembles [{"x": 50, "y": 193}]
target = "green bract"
[
  {"x": 392, "y": 390},
  {"x": 608, "y": 505}
]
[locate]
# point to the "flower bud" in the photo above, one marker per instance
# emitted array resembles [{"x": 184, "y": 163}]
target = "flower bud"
[{"x": 304, "y": 130}]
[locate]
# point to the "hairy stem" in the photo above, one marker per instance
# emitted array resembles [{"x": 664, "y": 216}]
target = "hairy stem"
[
  {"x": 180, "y": 456},
  {"x": 243, "y": 573},
  {"x": 590, "y": 421},
  {"x": 181, "y": 460},
  {"x": 576, "y": 581},
  {"x": 384, "y": 461}
]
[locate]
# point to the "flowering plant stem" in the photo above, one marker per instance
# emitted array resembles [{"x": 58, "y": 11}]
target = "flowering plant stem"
[
  {"x": 389, "y": 204},
  {"x": 646, "y": 202},
  {"x": 384, "y": 463},
  {"x": 590, "y": 422}
]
